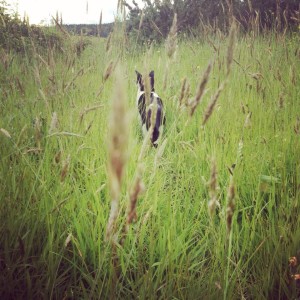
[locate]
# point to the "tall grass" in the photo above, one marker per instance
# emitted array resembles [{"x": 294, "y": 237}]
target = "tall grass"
[{"x": 55, "y": 190}]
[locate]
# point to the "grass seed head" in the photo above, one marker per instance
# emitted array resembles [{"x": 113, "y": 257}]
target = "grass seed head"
[
  {"x": 100, "y": 25},
  {"x": 119, "y": 131},
  {"x": 117, "y": 149},
  {"x": 54, "y": 123},
  {"x": 21, "y": 135},
  {"x": 212, "y": 204},
  {"x": 108, "y": 43},
  {"x": 65, "y": 168},
  {"x": 239, "y": 154},
  {"x": 137, "y": 189},
  {"x": 108, "y": 71},
  {"x": 212, "y": 104},
  {"x": 248, "y": 123},
  {"x": 57, "y": 157},
  {"x": 187, "y": 95},
  {"x": 5, "y": 132},
  {"x": 281, "y": 101},
  {"x": 68, "y": 240},
  {"x": 141, "y": 21},
  {"x": 201, "y": 88},
  {"x": 171, "y": 43}
]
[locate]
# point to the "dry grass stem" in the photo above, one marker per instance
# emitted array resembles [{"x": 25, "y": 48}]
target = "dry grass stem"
[
  {"x": 187, "y": 95},
  {"x": 36, "y": 74},
  {"x": 65, "y": 133},
  {"x": 230, "y": 206},
  {"x": 211, "y": 43},
  {"x": 37, "y": 132},
  {"x": 79, "y": 73},
  {"x": 89, "y": 109},
  {"x": 212, "y": 203},
  {"x": 292, "y": 75},
  {"x": 160, "y": 152},
  {"x": 157, "y": 158},
  {"x": 156, "y": 27},
  {"x": 60, "y": 27},
  {"x": 230, "y": 49},
  {"x": 166, "y": 76},
  {"x": 183, "y": 91},
  {"x": 44, "y": 62},
  {"x": 297, "y": 126},
  {"x": 145, "y": 146},
  {"x": 43, "y": 96}
]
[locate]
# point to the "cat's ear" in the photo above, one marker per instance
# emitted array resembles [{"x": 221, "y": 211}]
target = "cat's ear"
[
  {"x": 151, "y": 75},
  {"x": 138, "y": 77}
]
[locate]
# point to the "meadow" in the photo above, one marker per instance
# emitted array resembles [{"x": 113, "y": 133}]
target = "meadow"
[{"x": 217, "y": 203}]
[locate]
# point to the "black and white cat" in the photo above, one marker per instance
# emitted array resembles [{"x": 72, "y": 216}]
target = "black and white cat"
[{"x": 145, "y": 115}]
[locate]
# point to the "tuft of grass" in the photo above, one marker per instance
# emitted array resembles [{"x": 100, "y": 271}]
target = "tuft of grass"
[{"x": 118, "y": 139}]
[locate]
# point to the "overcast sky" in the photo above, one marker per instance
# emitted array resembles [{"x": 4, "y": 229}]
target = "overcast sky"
[{"x": 73, "y": 11}]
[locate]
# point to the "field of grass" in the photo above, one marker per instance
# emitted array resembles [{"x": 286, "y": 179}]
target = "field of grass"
[{"x": 55, "y": 196}]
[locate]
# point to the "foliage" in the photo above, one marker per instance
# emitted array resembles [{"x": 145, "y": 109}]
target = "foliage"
[
  {"x": 15, "y": 34},
  {"x": 194, "y": 15}
]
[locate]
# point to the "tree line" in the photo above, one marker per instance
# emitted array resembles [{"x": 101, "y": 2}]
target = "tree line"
[
  {"x": 153, "y": 20},
  {"x": 102, "y": 30}
]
